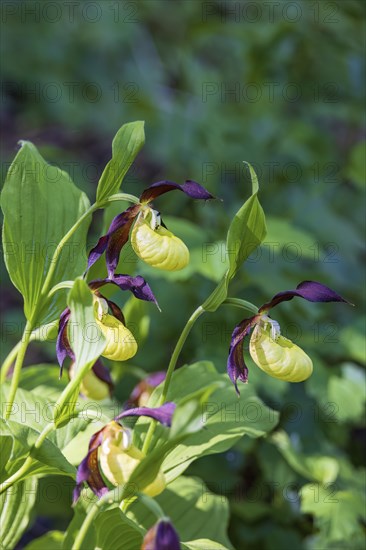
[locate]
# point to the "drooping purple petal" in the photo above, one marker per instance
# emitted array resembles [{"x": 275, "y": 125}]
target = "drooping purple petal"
[
  {"x": 309, "y": 290},
  {"x": 63, "y": 348},
  {"x": 115, "y": 244},
  {"x": 162, "y": 414},
  {"x": 190, "y": 188},
  {"x": 114, "y": 239},
  {"x": 101, "y": 371},
  {"x": 236, "y": 367},
  {"x": 146, "y": 386},
  {"x": 137, "y": 285},
  {"x": 88, "y": 470},
  {"x": 161, "y": 536}
]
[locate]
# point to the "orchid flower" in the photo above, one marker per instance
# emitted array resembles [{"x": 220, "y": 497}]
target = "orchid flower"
[
  {"x": 120, "y": 343},
  {"x": 113, "y": 457},
  {"x": 270, "y": 351},
  {"x": 150, "y": 238}
]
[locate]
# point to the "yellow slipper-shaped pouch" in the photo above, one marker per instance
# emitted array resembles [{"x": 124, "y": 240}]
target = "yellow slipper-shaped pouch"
[
  {"x": 279, "y": 357},
  {"x": 121, "y": 345},
  {"x": 159, "y": 247},
  {"x": 118, "y": 458}
]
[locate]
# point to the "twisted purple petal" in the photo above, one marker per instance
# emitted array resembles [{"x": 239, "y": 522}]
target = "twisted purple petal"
[
  {"x": 236, "y": 367},
  {"x": 63, "y": 348},
  {"x": 309, "y": 290},
  {"x": 162, "y": 414},
  {"x": 190, "y": 188},
  {"x": 137, "y": 285},
  {"x": 113, "y": 241}
]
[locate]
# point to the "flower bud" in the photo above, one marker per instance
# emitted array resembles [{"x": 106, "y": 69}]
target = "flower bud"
[
  {"x": 279, "y": 357},
  {"x": 118, "y": 457},
  {"x": 158, "y": 247},
  {"x": 121, "y": 345},
  {"x": 161, "y": 536}
]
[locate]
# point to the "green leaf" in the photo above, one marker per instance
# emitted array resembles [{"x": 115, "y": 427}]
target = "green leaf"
[
  {"x": 137, "y": 317},
  {"x": 337, "y": 513},
  {"x": 356, "y": 169},
  {"x": 87, "y": 343},
  {"x": 204, "y": 544},
  {"x": 348, "y": 397},
  {"x": 16, "y": 506},
  {"x": 30, "y": 414},
  {"x": 195, "y": 512},
  {"x": 282, "y": 234},
  {"x": 353, "y": 339},
  {"x": 52, "y": 539},
  {"x": 40, "y": 204},
  {"x": 117, "y": 532},
  {"x": 43, "y": 380},
  {"x": 125, "y": 146},
  {"x": 323, "y": 469},
  {"x": 246, "y": 232},
  {"x": 225, "y": 418}
]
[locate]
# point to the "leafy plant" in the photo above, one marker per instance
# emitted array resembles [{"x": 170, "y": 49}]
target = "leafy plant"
[{"x": 129, "y": 484}]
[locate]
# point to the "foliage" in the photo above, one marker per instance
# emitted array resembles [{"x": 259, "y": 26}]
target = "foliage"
[{"x": 216, "y": 84}]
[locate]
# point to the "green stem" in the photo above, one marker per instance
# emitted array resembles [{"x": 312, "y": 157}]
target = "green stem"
[
  {"x": 173, "y": 361},
  {"x": 79, "y": 539},
  {"x": 37, "y": 334},
  {"x": 124, "y": 197},
  {"x": 65, "y": 238},
  {"x": 28, "y": 462},
  {"x": 8, "y": 361},
  {"x": 151, "y": 505},
  {"x": 23, "y": 344},
  {"x": 243, "y": 304}
]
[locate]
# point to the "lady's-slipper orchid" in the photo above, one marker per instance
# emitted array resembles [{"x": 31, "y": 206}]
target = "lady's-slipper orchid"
[
  {"x": 112, "y": 456},
  {"x": 271, "y": 352},
  {"x": 150, "y": 239},
  {"x": 120, "y": 343},
  {"x": 141, "y": 392},
  {"x": 161, "y": 536},
  {"x": 97, "y": 384}
]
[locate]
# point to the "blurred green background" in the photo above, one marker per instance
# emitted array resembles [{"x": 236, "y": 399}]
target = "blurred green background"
[{"x": 281, "y": 85}]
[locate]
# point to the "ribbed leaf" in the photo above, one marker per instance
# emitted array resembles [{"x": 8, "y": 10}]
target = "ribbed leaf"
[
  {"x": 125, "y": 146},
  {"x": 40, "y": 204},
  {"x": 246, "y": 232},
  {"x": 15, "y": 508}
]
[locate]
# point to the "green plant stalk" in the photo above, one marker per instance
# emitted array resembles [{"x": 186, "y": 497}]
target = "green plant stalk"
[
  {"x": 172, "y": 364},
  {"x": 88, "y": 521},
  {"x": 18, "y": 367},
  {"x": 8, "y": 361},
  {"x": 14, "y": 352},
  {"x": 242, "y": 304}
]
